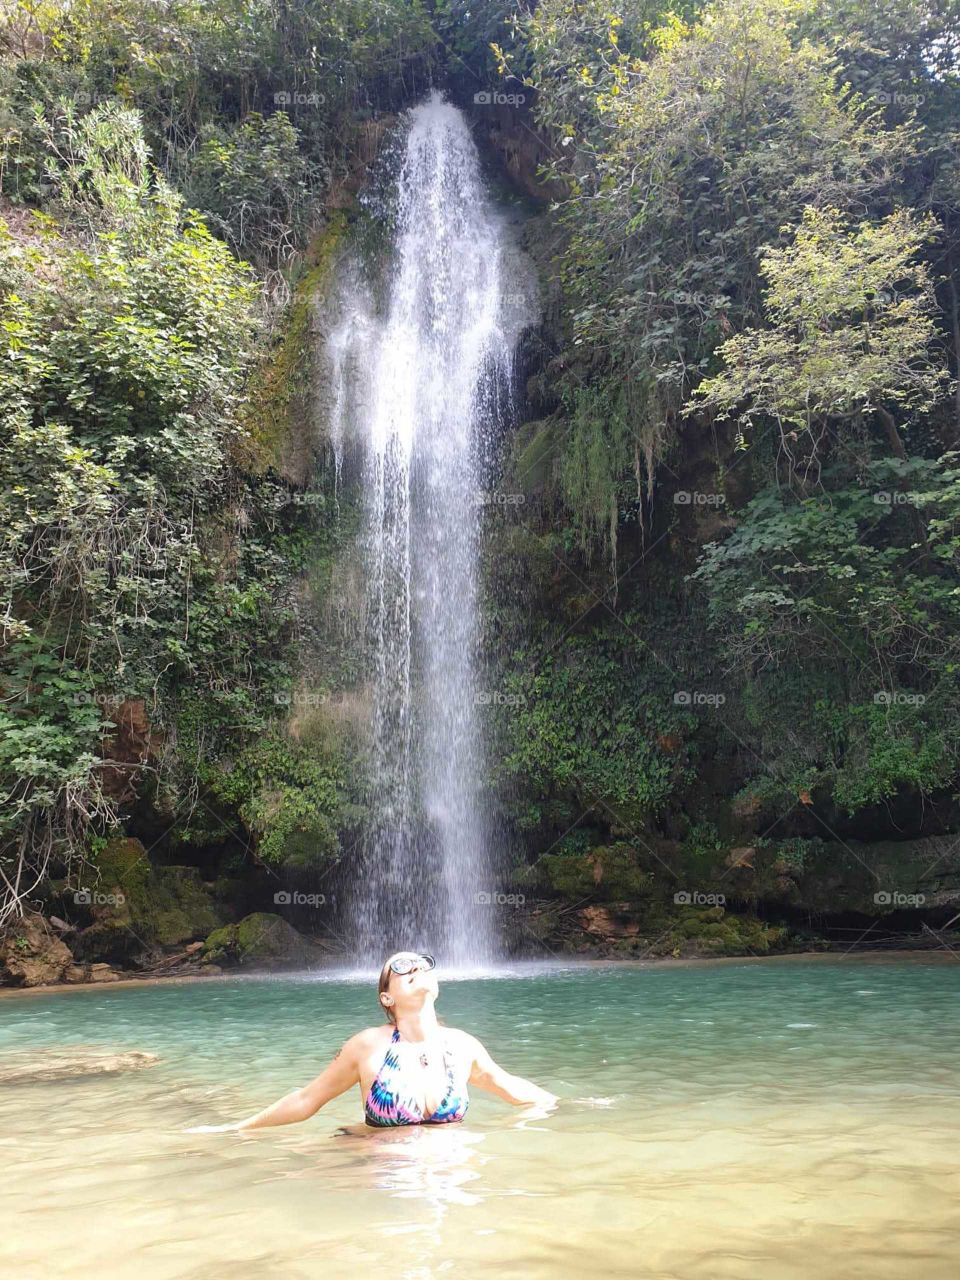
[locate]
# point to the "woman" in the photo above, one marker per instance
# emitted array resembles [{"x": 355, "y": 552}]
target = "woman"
[{"x": 411, "y": 1071}]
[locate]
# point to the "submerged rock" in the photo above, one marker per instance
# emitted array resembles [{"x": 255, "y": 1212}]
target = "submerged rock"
[
  {"x": 71, "y": 1063},
  {"x": 261, "y": 939},
  {"x": 32, "y": 955}
]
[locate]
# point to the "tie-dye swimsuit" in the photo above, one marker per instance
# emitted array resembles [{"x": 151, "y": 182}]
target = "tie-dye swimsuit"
[{"x": 386, "y": 1105}]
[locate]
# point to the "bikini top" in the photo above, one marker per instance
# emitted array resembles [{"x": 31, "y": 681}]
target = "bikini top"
[{"x": 388, "y": 1102}]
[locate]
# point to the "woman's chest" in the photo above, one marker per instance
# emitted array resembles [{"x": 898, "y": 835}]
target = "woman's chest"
[{"x": 424, "y": 1072}]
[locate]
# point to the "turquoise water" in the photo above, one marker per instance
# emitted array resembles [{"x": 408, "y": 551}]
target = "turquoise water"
[{"x": 730, "y": 1120}]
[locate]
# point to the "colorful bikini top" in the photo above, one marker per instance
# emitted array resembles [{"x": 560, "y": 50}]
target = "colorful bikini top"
[{"x": 388, "y": 1104}]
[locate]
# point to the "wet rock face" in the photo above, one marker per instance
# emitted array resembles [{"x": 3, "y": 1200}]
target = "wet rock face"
[
  {"x": 32, "y": 955},
  {"x": 871, "y": 880}
]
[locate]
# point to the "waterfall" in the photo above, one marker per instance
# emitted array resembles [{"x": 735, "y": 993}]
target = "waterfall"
[{"x": 422, "y": 386}]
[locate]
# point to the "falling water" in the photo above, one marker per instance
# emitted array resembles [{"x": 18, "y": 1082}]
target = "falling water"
[{"x": 430, "y": 376}]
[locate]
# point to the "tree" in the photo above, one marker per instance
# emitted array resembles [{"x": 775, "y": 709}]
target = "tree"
[{"x": 850, "y": 335}]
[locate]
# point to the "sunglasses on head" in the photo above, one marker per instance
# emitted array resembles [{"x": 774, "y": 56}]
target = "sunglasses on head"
[{"x": 406, "y": 964}]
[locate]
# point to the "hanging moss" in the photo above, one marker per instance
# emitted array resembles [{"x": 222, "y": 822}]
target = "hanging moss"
[{"x": 280, "y": 413}]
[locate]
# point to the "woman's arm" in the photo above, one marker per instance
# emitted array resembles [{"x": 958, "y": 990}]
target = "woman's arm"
[
  {"x": 486, "y": 1074},
  {"x": 301, "y": 1104}
]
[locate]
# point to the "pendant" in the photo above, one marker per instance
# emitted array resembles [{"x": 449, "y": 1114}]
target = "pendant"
[{"x": 424, "y": 1060}]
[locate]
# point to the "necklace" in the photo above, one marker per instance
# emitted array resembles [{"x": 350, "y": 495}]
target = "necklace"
[{"x": 424, "y": 1057}]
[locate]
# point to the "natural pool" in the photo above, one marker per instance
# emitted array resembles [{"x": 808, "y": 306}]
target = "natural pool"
[{"x": 777, "y": 1119}]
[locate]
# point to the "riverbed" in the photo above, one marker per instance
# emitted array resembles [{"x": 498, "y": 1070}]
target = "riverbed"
[{"x": 718, "y": 1122}]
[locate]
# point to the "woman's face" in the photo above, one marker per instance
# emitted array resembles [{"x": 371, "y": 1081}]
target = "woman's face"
[{"x": 412, "y": 990}]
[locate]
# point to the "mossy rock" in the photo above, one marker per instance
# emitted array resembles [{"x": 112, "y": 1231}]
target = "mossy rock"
[
  {"x": 607, "y": 873},
  {"x": 221, "y": 944},
  {"x": 534, "y": 457},
  {"x": 261, "y": 939},
  {"x": 153, "y": 907},
  {"x": 281, "y": 417},
  {"x": 715, "y": 932}
]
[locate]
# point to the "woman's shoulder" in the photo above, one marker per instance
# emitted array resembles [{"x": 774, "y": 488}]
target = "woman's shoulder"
[
  {"x": 462, "y": 1039},
  {"x": 369, "y": 1038},
  {"x": 383, "y": 1031}
]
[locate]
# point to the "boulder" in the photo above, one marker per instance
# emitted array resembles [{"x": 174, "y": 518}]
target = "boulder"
[
  {"x": 261, "y": 940},
  {"x": 136, "y": 907},
  {"x": 608, "y": 922},
  {"x": 103, "y": 973},
  {"x": 32, "y": 955}
]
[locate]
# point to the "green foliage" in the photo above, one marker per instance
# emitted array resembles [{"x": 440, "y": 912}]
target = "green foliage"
[
  {"x": 292, "y": 798},
  {"x": 609, "y": 873},
  {"x": 840, "y": 623},
  {"x": 599, "y": 451},
  {"x": 256, "y": 188},
  {"x": 130, "y": 552},
  {"x": 685, "y": 147},
  {"x": 742, "y": 235},
  {"x": 587, "y": 726},
  {"x": 850, "y": 330}
]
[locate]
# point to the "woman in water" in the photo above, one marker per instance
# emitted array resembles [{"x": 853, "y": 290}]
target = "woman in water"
[{"x": 411, "y": 1071}]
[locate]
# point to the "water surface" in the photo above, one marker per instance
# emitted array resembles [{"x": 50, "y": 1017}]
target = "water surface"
[{"x": 778, "y": 1119}]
